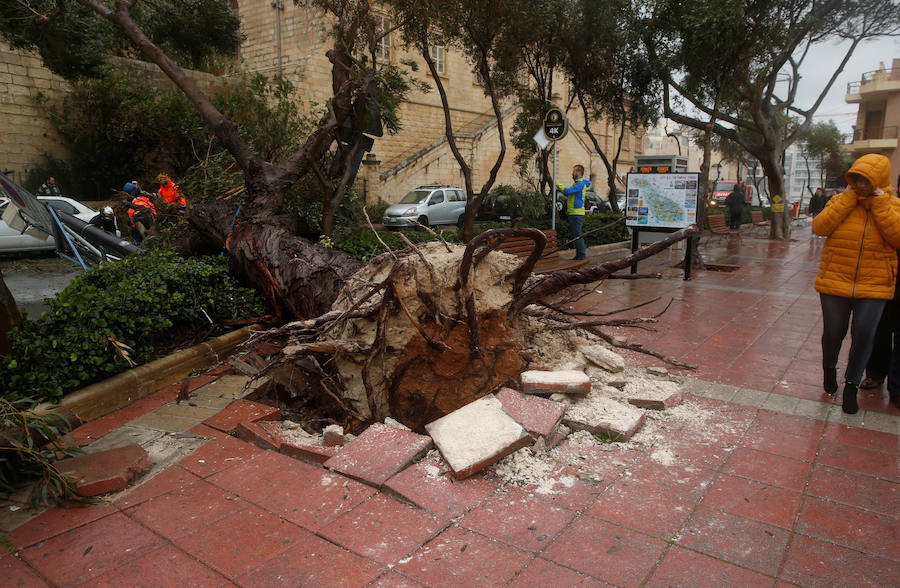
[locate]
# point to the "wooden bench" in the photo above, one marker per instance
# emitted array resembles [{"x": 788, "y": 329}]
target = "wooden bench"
[
  {"x": 757, "y": 220},
  {"x": 719, "y": 228},
  {"x": 522, "y": 247}
]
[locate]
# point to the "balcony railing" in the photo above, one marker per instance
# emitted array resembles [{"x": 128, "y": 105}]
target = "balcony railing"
[
  {"x": 876, "y": 134},
  {"x": 869, "y": 76}
]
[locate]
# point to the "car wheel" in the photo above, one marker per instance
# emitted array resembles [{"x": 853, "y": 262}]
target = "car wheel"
[
  {"x": 559, "y": 207},
  {"x": 593, "y": 210},
  {"x": 461, "y": 221},
  {"x": 423, "y": 220}
]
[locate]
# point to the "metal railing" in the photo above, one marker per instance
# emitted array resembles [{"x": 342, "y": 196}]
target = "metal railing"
[
  {"x": 875, "y": 134},
  {"x": 870, "y": 76}
]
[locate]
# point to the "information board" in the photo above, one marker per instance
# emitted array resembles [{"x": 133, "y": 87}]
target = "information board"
[{"x": 665, "y": 201}]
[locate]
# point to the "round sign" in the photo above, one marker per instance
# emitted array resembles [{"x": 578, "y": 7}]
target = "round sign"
[{"x": 555, "y": 124}]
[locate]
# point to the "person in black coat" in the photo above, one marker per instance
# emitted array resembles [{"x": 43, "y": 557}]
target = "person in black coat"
[
  {"x": 735, "y": 204},
  {"x": 884, "y": 362},
  {"x": 816, "y": 203}
]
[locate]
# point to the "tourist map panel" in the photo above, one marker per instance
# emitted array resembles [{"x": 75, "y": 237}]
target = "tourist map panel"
[{"x": 661, "y": 200}]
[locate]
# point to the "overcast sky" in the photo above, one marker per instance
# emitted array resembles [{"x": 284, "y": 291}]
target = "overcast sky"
[{"x": 818, "y": 67}]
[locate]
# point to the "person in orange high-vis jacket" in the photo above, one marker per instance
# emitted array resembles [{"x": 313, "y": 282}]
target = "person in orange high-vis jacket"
[
  {"x": 169, "y": 191},
  {"x": 141, "y": 212},
  {"x": 858, "y": 269}
]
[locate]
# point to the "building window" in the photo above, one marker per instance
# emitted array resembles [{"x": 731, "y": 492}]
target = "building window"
[
  {"x": 439, "y": 56},
  {"x": 383, "y": 44}
]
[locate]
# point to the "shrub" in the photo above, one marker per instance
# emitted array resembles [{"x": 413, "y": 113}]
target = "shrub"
[
  {"x": 364, "y": 245},
  {"x": 614, "y": 234},
  {"x": 150, "y": 303}
]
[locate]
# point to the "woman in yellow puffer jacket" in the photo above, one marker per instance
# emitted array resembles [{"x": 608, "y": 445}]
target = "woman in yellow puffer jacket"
[{"x": 858, "y": 269}]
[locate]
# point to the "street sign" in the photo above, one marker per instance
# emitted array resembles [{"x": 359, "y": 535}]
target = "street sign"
[{"x": 555, "y": 124}]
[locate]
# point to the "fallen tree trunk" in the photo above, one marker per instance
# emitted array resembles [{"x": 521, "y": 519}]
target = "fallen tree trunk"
[{"x": 298, "y": 278}]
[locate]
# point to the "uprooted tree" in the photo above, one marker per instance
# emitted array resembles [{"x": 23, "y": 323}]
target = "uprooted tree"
[
  {"x": 417, "y": 334},
  {"x": 412, "y": 334}
]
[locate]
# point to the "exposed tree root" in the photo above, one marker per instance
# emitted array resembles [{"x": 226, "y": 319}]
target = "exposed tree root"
[{"x": 411, "y": 338}]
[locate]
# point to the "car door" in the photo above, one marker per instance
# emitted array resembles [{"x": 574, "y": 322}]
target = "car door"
[
  {"x": 459, "y": 205},
  {"x": 437, "y": 208}
]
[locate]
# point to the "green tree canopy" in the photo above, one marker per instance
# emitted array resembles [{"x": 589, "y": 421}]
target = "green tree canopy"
[{"x": 73, "y": 42}]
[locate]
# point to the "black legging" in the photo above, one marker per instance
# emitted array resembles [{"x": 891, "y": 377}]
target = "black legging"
[{"x": 836, "y": 311}]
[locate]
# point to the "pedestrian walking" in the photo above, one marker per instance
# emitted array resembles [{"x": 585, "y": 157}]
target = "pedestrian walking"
[
  {"x": 858, "y": 268},
  {"x": 816, "y": 203},
  {"x": 575, "y": 208},
  {"x": 735, "y": 204},
  {"x": 884, "y": 362}
]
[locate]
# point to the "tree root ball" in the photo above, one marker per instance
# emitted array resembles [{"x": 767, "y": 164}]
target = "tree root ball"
[{"x": 412, "y": 356}]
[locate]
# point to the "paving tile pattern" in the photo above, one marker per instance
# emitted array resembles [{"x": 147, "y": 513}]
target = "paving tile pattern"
[{"x": 777, "y": 489}]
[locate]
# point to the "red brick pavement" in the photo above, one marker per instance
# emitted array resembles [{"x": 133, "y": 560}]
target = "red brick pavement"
[{"x": 771, "y": 498}]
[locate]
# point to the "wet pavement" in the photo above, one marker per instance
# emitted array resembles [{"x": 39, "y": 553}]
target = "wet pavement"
[
  {"x": 32, "y": 280},
  {"x": 758, "y": 478}
]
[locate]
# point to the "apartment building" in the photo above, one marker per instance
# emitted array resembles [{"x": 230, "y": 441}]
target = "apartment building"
[{"x": 878, "y": 120}]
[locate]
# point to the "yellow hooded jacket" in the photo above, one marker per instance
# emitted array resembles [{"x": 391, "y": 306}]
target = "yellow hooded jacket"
[{"x": 859, "y": 258}]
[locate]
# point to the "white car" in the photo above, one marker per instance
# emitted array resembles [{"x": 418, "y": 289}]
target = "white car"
[
  {"x": 433, "y": 204},
  {"x": 12, "y": 241}
]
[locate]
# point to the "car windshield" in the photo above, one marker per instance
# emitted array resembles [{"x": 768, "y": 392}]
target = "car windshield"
[
  {"x": 724, "y": 186},
  {"x": 415, "y": 197}
]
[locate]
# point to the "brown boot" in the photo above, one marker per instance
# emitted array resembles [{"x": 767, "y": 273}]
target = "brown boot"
[{"x": 871, "y": 383}]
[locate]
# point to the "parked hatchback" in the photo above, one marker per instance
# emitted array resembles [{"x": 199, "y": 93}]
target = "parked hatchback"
[
  {"x": 432, "y": 204},
  {"x": 13, "y": 241},
  {"x": 499, "y": 207}
]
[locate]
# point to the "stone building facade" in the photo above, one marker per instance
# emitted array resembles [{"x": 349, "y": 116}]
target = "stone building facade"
[
  {"x": 291, "y": 39},
  {"x": 25, "y": 132}
]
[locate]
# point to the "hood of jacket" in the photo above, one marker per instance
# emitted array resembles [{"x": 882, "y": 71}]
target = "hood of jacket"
[{"x": 875, "y": 168}]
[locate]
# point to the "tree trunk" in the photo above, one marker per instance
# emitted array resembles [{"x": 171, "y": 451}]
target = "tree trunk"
[
  {"x": 9, "y": 316},
  {"x": 781, "y": 214},
  {"x": 298, "y": 278}
]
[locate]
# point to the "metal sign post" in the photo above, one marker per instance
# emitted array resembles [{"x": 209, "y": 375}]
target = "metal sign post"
[
  {"x": 555, "y": 128},
  {"x": 553, "y": 208}
]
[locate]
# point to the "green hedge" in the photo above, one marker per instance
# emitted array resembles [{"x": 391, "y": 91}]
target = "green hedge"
[
  {"x": 364, "y": 245},
  {"x": 151, "y": 302}
]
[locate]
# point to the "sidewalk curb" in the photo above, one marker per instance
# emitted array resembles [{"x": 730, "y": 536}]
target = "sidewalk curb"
[{"x": 102, "y": 398}]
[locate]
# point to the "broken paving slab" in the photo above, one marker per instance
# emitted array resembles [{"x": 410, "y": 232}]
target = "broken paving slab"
[
  {"x": 653, "y": 394},
  {"x": 239, "y": 412},
  {"x": 476, "y": 435},
  {"x": 564, "y": 381},
  {"x": 230, "y": 386},
  {"x": 539, "y": 416},
  {"x": 291, "y": 440},
  {"x": 378, "y": 453},
  {"x": 603, "y": 416},
  {"x": 603, "y": 357},
  {"x": 106, "y": 471}
]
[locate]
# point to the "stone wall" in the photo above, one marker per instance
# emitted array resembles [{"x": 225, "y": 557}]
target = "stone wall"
[{"x": 25, "y": 132}]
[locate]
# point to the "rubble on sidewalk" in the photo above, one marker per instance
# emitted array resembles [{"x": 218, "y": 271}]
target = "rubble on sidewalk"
[
  {"x": 539, "y": 416},
  {"x": 106, "y": 471},
  {"x": 600, "y": 415},
  {"x": 604, "y": 358},
  {"x": 378, "y": 453},
  {"x": 653, "y": 394},
  {"x": 562, "y": 381},
  {"x": 476, "y": 435}
]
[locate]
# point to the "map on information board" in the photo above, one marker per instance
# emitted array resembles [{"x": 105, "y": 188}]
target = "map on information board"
[{"x": 661, "y": 200}]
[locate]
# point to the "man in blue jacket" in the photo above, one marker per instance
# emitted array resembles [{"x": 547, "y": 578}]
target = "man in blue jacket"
[{"x": 575, "y": 208}]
